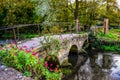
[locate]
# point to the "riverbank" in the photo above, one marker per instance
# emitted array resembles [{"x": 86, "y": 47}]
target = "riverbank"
[{"x": 105, "y": 42}]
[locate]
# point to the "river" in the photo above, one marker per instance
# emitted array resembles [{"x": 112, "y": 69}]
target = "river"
[{"x": 98, "y": 66}]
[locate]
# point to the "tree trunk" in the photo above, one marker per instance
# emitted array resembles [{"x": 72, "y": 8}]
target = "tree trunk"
[{"x": 76, "y": 16}]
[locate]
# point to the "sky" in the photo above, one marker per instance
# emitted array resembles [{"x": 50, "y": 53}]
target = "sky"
[{"x": 118, "y": 3}]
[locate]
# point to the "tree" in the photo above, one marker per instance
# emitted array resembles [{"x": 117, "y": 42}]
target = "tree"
[
  {"x": 16, "y": 12},
  {"x": 76, "y": 15}
]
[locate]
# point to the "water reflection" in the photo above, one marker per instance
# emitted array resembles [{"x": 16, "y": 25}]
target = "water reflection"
[{"x": 102, "y": 66}]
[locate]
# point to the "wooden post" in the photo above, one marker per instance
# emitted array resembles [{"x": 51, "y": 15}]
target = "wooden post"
[
  {"x": 14, "y": 35},
  {"x": 106, "y": 26},
  {"x": 18, "y": 33},
  {"x": 38, "y": 29}
]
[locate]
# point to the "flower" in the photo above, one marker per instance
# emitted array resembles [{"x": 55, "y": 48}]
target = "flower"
[
  {"x": 56, "y": 69},
  {"x": 21, "y": 48},
  {"x": 34, "y": 53},
  {"x": 1, "y": 48},
  {"x": 15, "y": 42},
  {"x": 32, "y": 48},
  {"x": 51, "y": 69},
  {"x": 24, "y": 46},
  {"x": 51, "y": 65},
  {"x": 46, "y": 64},
  {"x": 27, "y": 50}
]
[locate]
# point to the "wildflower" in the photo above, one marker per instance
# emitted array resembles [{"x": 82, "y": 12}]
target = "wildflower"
[
  {"x": 46, "y": 64},
  {"x": 32, "y": 48},
  {"x": 21, "y": 48},
  {"x": 27, "y": 50},
  {"x": 56, "y": 69},
  {"x": 34, "y": 53},
  {"x": 1, "y": 48},
  {"x": 51, "y": 65},
  {"x": 24, "y": 46},
  {"x": 15, "y": 42},
  {"x": 51, "y": 69}
]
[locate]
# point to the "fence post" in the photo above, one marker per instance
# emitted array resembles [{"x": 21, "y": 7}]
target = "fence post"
[
  {"x": 14, "y": 35},
  {"x": 18, "y": 33},
  {"x": 38, "y": 30},
  {"x": 106, "y": 26}
]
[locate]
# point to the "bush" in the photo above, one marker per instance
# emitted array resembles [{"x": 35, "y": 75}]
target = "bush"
[
  {"x": 110, "y": 48},
  {"x": 53, "y": 30},
  {"x": 56, "y": 30},
  {"x": 26, "y": 62},
  {"x": 112, "y": 35}
]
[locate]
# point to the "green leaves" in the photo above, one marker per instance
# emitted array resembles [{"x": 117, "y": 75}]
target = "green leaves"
[
  {"x": 16, "y": 12},
  {"x": 112, "y": 35},
  {"x": 52, "y": 46},
  {"x": 27, "y": 63}
]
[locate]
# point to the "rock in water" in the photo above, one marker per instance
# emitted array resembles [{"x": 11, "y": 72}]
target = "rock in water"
[{"x": 115, "y": 75}]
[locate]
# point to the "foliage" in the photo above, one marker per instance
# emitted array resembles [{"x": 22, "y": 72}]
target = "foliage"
[
  {"x": 52, "y": 30},
  {"x": 55, "y": 30},
  {"x": 16, "y": 12},
  {"x": 112, "y": 35},
  {"x": 26, "y": 61},
  {"x": 22, "y": 60},
  {"x": 52, "y": 46},
  {"x": 106, "y": 42},
  {"x": 49, "y": 73},
  {"x": 110, "y": 48}
]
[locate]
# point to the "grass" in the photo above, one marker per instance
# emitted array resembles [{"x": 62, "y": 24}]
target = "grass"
[
  {"x": 111, "y": 48},
  {"x": 112, "y": 35}
]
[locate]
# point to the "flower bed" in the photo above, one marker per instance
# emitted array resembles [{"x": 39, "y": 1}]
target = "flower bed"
[{"x": 25, "y": 61}]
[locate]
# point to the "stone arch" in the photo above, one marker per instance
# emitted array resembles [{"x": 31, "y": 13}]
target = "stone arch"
[
  {"x": 73, "y": 55},
  {"x": 73, "y": 49}
]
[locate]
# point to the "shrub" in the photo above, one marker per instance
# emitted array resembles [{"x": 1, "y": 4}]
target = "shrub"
[
  {"x": 56, "y": 30},
  {"x": 112, "y": 35},
  {"x": 22, "y": 60},
  {"x": 52, "y": 46},
  {"x": 26, "y": 61}
]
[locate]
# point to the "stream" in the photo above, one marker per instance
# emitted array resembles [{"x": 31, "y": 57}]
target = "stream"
[{"x": 99, "y": 66}]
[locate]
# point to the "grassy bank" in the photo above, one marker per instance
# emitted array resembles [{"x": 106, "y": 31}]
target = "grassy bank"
[{"x": 106, "y": 42}]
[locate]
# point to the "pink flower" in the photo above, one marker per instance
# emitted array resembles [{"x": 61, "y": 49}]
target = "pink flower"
[
  {"x": 21, "y": 48},
  {"x": 46, "y": 64},
  {"x": 34, "y": 53},
  {"x": 15, "y": 43},
  {"x": 56, "y": 69},
  {"x": 51, "y": 69},
  {"x": 24, "y": 46},
  {"x": 32, "y": 48},
  {"x": 1, "y": 48},
  {"x": 51, "y": 65},
  {"x": 27, "y": 50}
]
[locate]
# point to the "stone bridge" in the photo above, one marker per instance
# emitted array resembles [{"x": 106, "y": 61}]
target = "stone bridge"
[{"x": 72, "y": 42}]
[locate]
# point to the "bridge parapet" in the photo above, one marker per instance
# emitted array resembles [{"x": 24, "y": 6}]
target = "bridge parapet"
[{"x": 66, "y": 42}]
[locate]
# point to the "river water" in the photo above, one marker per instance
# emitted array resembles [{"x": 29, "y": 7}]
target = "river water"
[{"x": 99, "y": 66}]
